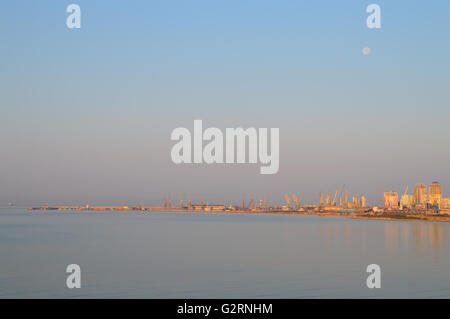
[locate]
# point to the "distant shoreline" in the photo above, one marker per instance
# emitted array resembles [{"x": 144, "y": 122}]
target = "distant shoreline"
[
  {"x": 397, "y": 216},
  {"x": 423, "y": 218}
]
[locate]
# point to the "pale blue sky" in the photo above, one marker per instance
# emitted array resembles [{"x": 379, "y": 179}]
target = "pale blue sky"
[{"x": 86, "y": 115}]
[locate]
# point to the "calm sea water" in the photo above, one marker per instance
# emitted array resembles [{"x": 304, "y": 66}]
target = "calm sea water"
[{"x": 204, "y": 255}]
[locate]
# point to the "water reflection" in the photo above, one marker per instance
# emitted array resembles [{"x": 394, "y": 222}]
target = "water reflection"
[
  {"x": 346, "y": 235},
  {"x": 425, "y": 237}
]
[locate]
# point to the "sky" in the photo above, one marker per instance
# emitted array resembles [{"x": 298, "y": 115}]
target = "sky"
[{"x": 86, "y": 114}]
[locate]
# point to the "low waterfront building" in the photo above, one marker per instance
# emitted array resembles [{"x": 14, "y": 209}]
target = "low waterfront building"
[
  {"x": 358, "y": 201},
  {"x": 445, "y": 203},
  {"x": 209, "y": 208}
]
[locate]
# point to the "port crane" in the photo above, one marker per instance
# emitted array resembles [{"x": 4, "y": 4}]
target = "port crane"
[
  {"x": 297, "y": 202},
  {"x": 333, "y": 203},
  {"x": 288, "y": 200},
  {"x": 337, "y": 196},
  {"x": 403, "y": 199},
  {"x": 341, "y": 192},
  {"x": 406, "y": 190},
  {"x": 346, "y": 199},
  {"x": 295, "y": 199}
]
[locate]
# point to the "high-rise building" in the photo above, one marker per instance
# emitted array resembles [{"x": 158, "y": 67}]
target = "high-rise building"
[
  {"x": 391, "y": 200},
  {"x": 407, "y": 200},
  {"x": 435, "y": 194},
  {"x": 420, "y": 195}
]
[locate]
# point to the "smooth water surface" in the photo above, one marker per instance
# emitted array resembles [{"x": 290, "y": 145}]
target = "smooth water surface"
[{"x": 218, "y": 255}]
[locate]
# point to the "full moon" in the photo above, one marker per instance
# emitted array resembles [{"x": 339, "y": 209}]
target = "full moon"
[{"x": 366, "y": 51}]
